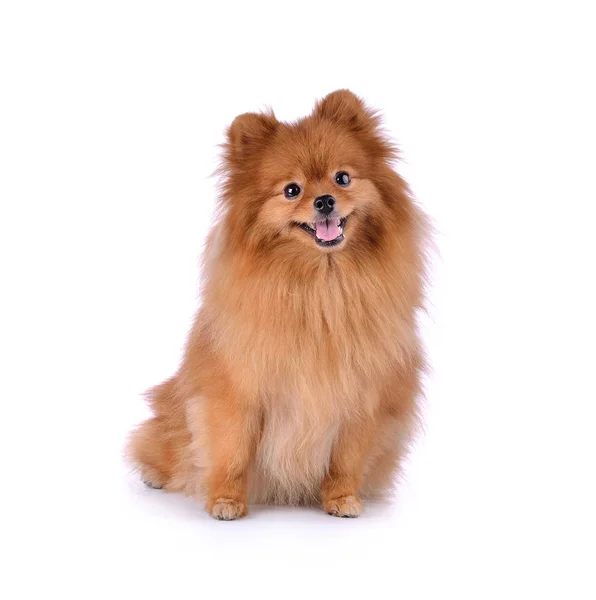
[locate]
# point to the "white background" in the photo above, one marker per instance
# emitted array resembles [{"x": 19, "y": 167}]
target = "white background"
[{"x": 110, "y": 116}]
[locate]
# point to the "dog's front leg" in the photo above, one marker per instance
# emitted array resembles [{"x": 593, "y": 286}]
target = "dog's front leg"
[
  {"x": 339, "y": 491},
  {"x": 232, "y": 434}
]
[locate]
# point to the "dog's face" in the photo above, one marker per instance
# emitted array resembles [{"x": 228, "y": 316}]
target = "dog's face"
[{"x": 311, "y": 183}]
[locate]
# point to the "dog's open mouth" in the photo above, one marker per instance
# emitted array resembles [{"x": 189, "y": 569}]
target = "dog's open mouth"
[{"x": 327, "y": 232}]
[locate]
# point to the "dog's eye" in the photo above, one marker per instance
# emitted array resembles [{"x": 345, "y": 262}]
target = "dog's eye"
[
  {"x": 292, "y": 190},
  {"x": 342, "y": 178}
]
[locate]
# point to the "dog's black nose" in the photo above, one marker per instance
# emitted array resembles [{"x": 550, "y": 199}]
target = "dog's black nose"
[{"x": 325, "y": 204}]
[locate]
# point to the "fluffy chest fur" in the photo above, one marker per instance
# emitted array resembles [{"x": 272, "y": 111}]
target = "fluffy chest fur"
[{"x": 324, "y": 328}]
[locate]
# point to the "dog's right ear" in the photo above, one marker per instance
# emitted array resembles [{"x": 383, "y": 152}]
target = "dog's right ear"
[{"x": 248, "y": 132}]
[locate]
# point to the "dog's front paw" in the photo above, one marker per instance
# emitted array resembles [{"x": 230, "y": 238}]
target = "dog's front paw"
[
  {"x": 344, "y": 506},
  {"x": 225, "y": 509}
]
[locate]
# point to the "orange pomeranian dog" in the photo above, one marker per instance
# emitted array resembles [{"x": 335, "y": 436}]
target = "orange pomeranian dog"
[{"x": 300, "y": 379}]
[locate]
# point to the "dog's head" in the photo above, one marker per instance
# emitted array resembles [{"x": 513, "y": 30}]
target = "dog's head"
[{"x": 319, "y": 184}]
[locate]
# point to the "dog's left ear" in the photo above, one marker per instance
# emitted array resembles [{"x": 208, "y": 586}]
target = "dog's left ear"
[{"x": 344, "y": 107}]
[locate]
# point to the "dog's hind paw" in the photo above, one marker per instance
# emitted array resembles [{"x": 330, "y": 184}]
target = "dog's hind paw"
[{"x": 150, "y": 484}]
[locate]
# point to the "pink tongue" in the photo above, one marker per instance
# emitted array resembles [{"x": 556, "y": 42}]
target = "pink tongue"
[{"x": 328, "y": 230}]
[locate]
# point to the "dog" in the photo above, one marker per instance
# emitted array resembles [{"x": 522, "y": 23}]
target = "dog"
[{"x": 301, "y": 378}]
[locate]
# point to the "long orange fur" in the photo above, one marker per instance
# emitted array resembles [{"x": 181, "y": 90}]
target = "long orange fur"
[{"x": 300, "y": 382}]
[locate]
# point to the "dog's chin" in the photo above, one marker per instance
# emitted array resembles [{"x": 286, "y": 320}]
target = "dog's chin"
[{"x": 326, "y": 233}]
